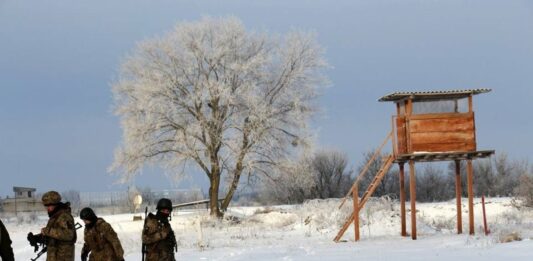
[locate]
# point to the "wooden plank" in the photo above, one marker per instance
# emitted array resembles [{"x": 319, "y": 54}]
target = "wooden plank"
[
  {"x": 412, "y": 191},
  {"x": 442, "y": 124},
  {"x": 447, "y": 128},
  {"x": 408, "y": 112},
  {"x": 474, "y": 123},
  {"x": 437, "y": 156},
  {"x": 407, "y": 136},
  {"x": 458, "y": 192},
  {"x": 470, "y": 177},
  {"x": 444, "y": 147},
  {"x": 442, "y": 137},
  {"x": 441, "y": 115},
  {"x": 401, "y": 134}
]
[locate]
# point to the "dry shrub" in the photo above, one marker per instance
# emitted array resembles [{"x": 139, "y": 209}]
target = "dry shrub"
[
  {"x": 510, "y": 237},
  {"x": 525, "y": 190}
]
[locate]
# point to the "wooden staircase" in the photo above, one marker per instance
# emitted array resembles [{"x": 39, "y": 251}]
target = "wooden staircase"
[{"x": 387, "y": 163}]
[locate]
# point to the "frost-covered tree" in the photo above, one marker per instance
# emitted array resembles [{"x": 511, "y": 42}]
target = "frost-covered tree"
[
  {"x": 211, "y": 95},
  {"x": 72, "y": 196},
  {"x": 433, "y": 185},
  {"x": 332, "y": 179},
  {"x": 316, "y": 174},
  {"x": 292, "y": 183}
]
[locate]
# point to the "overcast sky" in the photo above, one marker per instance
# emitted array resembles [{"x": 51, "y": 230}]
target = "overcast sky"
[{"x": 58, "y": 58}]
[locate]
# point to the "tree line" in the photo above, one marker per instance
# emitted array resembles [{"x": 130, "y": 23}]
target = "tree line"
[{"x": 326, "y": 174}]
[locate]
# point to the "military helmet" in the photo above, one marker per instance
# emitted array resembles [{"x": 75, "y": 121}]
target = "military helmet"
[
  {"x": 164, "y": 203},
  {"x": 51, "y": 198},
  {"x": 87, "y": 214}
]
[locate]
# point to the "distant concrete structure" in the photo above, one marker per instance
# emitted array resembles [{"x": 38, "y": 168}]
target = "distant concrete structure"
[
  {"x": 23, "y": 201},
  {"x": 22, "y": 192}
]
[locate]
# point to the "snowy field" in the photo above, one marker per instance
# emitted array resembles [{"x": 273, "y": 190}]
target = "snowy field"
[{"x": 306, "y": 232}]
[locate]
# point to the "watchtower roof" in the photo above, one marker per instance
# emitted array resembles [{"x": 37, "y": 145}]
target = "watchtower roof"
[{"x": 432, "y": 95}]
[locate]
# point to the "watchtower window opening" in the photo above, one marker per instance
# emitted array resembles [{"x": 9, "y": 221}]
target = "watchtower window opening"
[{"x": 440, "y": 106}]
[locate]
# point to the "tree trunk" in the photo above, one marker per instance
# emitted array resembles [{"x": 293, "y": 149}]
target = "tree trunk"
[
  {"x": 213, "y": 196},
  {"x": 231, "y": 191},
  {"x": 238, "y": 170},
  {"x": 214, "y": 179}
]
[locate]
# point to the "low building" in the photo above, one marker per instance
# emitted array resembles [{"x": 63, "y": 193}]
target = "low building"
[{"x": 23, "y": 201}]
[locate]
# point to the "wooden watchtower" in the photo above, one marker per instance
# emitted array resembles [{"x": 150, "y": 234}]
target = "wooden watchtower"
[{"x": 428, "y": 126}]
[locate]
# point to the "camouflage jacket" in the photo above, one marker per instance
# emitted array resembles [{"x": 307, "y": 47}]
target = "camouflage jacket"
[
  {"x": 103, "y": 243},
  {"x": 61, "y": 235},
  {"x": 6, "y": 252},
  {"x": 159, "y": 240}
]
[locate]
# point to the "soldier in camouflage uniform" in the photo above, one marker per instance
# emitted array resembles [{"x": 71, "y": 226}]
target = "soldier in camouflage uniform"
[
  {"x": 100, "y": 239},
  {"x": 6, "y": 252},
  {"x": 158, "y": 237},
  {"x": 59, "y": 232}
]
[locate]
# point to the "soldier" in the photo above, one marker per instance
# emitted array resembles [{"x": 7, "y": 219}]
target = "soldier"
[
  {"x": 6, "y": 252},
  {"x": 60, "y": 232},
  {"x": 158, "y": 237},
  {"x": 100, "y": 239}
]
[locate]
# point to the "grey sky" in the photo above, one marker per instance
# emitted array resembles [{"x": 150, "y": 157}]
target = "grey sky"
[{"x": 57, "y": 58}]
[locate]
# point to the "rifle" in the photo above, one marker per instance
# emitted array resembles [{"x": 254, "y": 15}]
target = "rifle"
[
  {"x": 143, "y": 247},
  {"x": 39, "y": 240},
  {"x": 173, "y": 241}
]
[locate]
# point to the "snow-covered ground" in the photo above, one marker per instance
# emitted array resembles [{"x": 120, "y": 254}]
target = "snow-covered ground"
[{"x": 306, "y": 232}]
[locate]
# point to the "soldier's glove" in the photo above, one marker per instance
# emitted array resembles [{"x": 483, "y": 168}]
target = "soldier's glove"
[
  {"x": 30, "y": 237},
  {"x": 35, "y": 240},
  {"x": 84, "y": 255}
]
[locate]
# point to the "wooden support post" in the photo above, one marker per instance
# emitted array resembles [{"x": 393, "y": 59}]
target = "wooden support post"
[
  {"x": 408, "y": 112},
  {"x": 402, "y": 199},
  {"x": 470, "y": 178},
  {"x": 394, "y": 133},
  {"x": 398, "y": 109},
  {"x": 356, "y": 212},
  {"x": 458, "y": 193},
  {"x": 470, "y": 104},
  {"x": 412, "y": 190},
  {"x": 487, "y": 231}
]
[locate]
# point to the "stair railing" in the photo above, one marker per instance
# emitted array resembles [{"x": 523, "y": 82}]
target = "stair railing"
[{"x": 365, "y": 169}]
